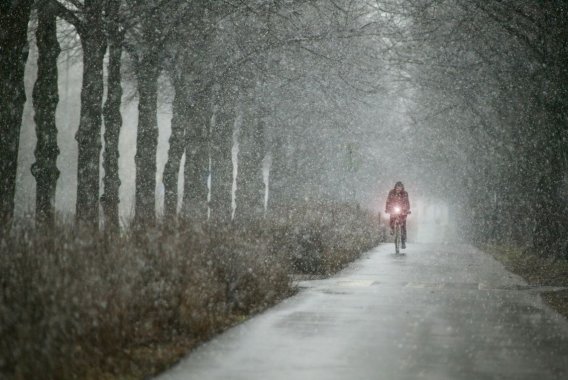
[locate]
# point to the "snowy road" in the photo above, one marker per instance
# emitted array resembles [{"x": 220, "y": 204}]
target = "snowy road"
[{"x": 440, "y": 312}]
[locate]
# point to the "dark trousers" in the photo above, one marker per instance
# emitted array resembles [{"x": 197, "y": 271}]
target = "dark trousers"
[{"x": 402, "y": 225}]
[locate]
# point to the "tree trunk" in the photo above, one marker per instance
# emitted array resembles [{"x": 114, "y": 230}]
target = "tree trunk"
[
  {"x": 88, "y": 135},
  {"x": 275, "y": 174},
  {"x": 113, "y": 121},
  {"x": 279, "y": 178},
  {"x": 250, "y": 182},
  {"x": 14, "y": 17},
  {"x": 45, "y": 100},
  {"x": 221, "y": 160},
  {"x": 147, "y": 139},
  {"x": 196, "y": 170},
  {"x": 176, "y": 150}
]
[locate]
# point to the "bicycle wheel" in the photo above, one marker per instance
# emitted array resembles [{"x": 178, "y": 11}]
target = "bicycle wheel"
[{"x": 397, "y": 238}]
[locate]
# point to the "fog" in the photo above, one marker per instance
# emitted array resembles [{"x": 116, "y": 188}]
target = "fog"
[
  {"x": 171, "y": 168},
  {"x": 377, "y": 148},
  {"x": 367, "y": 140},
  {"x": 67, "y": 119},
  {"x": 351, "y": 98}
]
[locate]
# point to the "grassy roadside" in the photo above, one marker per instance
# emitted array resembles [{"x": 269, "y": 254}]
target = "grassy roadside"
[
  {"x": 82, "y": 305},
  {"x": 536, "y": 271}
]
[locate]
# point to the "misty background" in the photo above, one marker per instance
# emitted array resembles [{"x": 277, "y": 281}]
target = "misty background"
[
  {"x": 349, "y": 110},
  {"x": 462, "y": 101},
  {"x": 170, "y": 168}
]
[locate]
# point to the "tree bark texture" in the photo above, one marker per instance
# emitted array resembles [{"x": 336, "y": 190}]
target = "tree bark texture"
[
  {"x": 197, "y": 153},
  {"x": 88, "y": 135},
  {"x": 147, "y": 139},
  {"x": 275, "y": 174},
  {"x": 250, "y": 182},
  {"x": 221, "y": 160},
  {"x": 14, "y": 18},
  {"x": 281, "y": 191},
  {"x": 113, "y": 120},
  {"x": 45, "y": 100},
  {"x": 177, "y": 148}
]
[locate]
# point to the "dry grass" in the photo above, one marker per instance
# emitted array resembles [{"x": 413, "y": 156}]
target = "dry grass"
[
  {"x": 537, "y": 271},
  {"x": 558, "y": 300},
  {"x": 84, "y": 305}
]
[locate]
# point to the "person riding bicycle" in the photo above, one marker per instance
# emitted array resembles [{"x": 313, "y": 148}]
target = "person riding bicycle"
[{"x": 398, "y": 206}]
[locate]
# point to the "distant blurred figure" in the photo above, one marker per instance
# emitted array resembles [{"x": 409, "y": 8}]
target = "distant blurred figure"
[{"x": 398, "y": 206}]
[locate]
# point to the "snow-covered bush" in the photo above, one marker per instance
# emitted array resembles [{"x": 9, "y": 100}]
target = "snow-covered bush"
[
  {"x": 321, "y": 238},
  {"x": 78, "y": 303}
]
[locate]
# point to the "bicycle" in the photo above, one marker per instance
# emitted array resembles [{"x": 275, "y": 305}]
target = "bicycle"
[{"x": 398, "y": 214}]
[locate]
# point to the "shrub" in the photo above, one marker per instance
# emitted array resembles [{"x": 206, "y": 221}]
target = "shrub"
[
  {"x": 77, "y": 300},
  {"x": 322, "y": 238},
  {"x": 82, "y": 304}
]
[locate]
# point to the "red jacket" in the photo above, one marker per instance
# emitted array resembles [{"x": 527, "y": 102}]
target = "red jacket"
[{"x": 400, "y": 199}]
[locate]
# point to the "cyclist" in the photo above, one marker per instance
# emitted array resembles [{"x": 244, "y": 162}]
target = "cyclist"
[{"x": 398, "y": 199}]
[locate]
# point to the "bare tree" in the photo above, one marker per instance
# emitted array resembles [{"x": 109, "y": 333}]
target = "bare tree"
[
  {"x": 45, "y": 100},
  {"x": 147, "y": 73},
  {"x": 252, "y": 150},
  {"x": 498, "y": 72},
  {"x": 112, "y": 117},
  {"x": 88, "y": 19},
  {"x": 14, "y": 17},
  {"x": 180, "y": 118},
  {"x": 154, "y": 24},
  {"x": 222, "y": 127},
  {"x": 197, "y": 154}
]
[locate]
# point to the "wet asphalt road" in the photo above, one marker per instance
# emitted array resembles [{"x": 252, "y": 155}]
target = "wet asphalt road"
[{"x": 439, "y": 312}]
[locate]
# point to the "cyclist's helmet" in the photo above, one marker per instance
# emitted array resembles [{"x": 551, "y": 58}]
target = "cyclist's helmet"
[{"x": 399, "y": 184}]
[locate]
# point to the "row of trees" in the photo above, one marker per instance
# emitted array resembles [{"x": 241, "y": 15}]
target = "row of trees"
[
  {"x": 268, "y": 73},
  {"x": 285, "y": 80},
  {"x": 499, "y": 73},
  {"x": 14, "y": 19}
]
